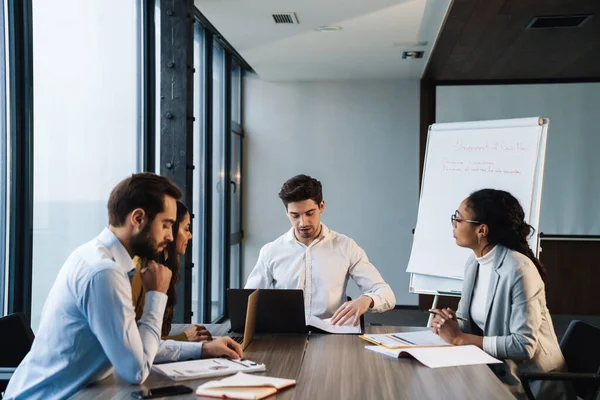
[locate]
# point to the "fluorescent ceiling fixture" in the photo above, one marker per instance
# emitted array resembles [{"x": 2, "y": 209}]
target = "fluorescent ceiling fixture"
[{"x": 329, "y": 28}]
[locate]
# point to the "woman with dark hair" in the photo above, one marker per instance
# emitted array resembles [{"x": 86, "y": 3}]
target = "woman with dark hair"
[
  {"x": 503, "y": 306},
  {"x": 170, "y": 257}
]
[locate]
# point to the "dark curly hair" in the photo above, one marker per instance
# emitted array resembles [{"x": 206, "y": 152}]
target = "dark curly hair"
[
  {"x": 170, "y": 259},
  {"x": 505, "y": 218},
  {"x": 300, "y": 188}
]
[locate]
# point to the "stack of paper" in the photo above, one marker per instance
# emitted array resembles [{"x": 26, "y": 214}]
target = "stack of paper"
[
  {"x": 243, "y": 386},
  {"x": 438, "y": 357},
  {"x": 403, "y": 340},
  {"x": 208, "y": 368},
  {"x": 327, "y": 326}
]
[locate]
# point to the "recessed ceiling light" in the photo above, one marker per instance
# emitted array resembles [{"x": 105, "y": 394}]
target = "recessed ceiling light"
[
  {"x": 329, "y": 28},
  {"x": 412, "y": 55}
]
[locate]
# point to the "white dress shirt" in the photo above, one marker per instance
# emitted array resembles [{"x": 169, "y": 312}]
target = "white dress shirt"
[
  {"x": 481, "y": 292},
  {"x": 321, "y": 270},
  {"x": 88, "y": 326}
]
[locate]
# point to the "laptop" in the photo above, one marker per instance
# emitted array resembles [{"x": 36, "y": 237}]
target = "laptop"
[{"x": 270, "y": 311}]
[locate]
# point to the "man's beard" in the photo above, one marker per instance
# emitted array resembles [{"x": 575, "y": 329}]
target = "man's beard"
[{"x": 144, "y": 246}]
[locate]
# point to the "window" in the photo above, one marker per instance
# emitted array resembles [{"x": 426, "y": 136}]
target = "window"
[
  {"x": 218, "y": 193},
  {"x": 235, "y": 261},
  {"x": 199, "y": 203},
  {"x": 235, "y": 266},
  {"x": 236, "y": 94},
  {"x": 3, "y": 162},
  {"x": 86, "y": 93}
]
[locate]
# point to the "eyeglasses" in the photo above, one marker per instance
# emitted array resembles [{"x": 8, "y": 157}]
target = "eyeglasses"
[{"x": 455, "y": 220}]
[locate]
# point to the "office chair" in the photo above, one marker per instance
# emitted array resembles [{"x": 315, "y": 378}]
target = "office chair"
[
  {"x": 16, "y": 338},
  {"x": 582, "y": 355}
]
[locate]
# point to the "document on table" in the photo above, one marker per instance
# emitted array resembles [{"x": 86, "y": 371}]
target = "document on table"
[
  {"x": 327, "y": 326},
  {"x": 207, "y": 368},
  {"x": 402, "y": 340},
  {"x": 441, "y": 356}
]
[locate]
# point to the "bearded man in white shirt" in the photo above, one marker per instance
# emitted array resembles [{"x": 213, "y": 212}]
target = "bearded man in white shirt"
[
  {"x": 88, "y": 328},
  {"x": 319, "y": 261}
]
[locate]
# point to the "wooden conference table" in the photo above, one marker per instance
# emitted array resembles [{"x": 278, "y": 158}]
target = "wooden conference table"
[{"x": 335, "y": 367}]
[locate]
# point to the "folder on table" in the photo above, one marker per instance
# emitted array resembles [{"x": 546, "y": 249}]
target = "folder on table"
[
  {"x": 243, "y": 386},
  {"x": 403, "y": 340}
]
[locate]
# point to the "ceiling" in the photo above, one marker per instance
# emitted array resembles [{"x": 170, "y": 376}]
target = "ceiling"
[
  {"x": 487, "y": 40},
  {"x": 374, "y": 34}
]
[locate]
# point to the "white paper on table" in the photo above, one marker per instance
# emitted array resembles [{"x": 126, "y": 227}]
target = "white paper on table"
[
  {"x": 406, "y": 339},
  {"x": 207, "y": 368},
  {"x": 327, "y": 326},
  {"x": 420, "y": 338},
  {"x": 439, "y": 357}
]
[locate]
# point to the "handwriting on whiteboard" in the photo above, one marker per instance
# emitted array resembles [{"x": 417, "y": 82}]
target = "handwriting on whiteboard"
[
  {"x": 494, "y": 146},
  {"x": 489, "y": 167}
]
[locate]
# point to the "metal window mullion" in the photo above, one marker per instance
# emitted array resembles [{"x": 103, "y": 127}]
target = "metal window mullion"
[
  {"x": 21, "y": 134},
  {"x": 227, "y": 87},
  {"x": 176, "y": 119},
  {"x": 205, "y": 291},
  {"x": 147, "y": 99}
]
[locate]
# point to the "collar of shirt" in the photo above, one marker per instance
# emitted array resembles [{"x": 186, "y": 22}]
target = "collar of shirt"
[
  {"x": 117, "y": 250},
  {"x": 489, "y": 258},
  {"x": 291, "y": 237}
]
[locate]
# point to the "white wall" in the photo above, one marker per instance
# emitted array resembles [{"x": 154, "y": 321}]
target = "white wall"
[
  {"x": 360, "y": 139},
  {"x": 571, "y": 191}
]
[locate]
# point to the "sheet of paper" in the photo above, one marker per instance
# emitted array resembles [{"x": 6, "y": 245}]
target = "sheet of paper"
[
  {"x": 420, "y": 338},
  {"x": 439, "y": 357},
  {"x": 206, "y": 368},
  {"x": 384, "y": 340},
  {"x": 406, "y": 339},
  {"x": 327, "y": 326}
]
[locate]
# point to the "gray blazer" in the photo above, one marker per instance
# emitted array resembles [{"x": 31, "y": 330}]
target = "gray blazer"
[{"x": 516, "y": 313}]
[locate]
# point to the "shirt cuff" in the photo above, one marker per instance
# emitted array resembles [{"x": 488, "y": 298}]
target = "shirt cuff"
[
  {"x": 155, "y": 301},
  {"x": 190, "y": 350},
  {"x": 489, "y": 345},
  {"x": 376, "y": 302}
]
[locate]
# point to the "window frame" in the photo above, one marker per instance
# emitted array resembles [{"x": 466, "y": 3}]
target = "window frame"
[{"x": 20, "y": 55}]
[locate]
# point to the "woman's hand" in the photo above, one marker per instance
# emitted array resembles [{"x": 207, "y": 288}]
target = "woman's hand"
[
  {"x": 446, "y": 326},
  {"x": 197, "y": 333}
]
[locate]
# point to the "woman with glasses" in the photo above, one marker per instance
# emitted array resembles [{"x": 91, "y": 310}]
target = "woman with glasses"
[{"x": 503, "y": 306}]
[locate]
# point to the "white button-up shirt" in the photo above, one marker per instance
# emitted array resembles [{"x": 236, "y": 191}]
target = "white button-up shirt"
[
  {"x": 88, "y": 326},
  {"x": 321, "y": 270}
]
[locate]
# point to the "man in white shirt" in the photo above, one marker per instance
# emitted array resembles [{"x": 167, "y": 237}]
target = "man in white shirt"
[
  {"x": 319, "y": 261},
  {"x": 88, "y": 326}
]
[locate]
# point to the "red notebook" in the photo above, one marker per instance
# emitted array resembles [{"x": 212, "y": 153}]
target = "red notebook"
[{"x": 244, "y": 387}]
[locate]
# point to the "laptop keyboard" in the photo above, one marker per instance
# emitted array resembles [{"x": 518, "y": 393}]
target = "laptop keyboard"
[{"x": 238, "y": 339}]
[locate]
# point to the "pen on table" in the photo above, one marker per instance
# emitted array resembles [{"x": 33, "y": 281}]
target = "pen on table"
[
  {"x": 403, "y": 340},
  {"x": 457, "y": 317},
  {"x": 239, "y": 362}
]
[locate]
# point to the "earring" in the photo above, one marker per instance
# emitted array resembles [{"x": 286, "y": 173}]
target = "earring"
[{"x": 478, "y": 239}]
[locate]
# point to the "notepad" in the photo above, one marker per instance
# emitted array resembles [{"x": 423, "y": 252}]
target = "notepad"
[
  {"x": 327, "y": 326},
  {"x": 244, "y": 386},
  {"x": 404, "y": 340},
  {"x": 440, "y": 357},
  {"x": 208, "y": 368}
]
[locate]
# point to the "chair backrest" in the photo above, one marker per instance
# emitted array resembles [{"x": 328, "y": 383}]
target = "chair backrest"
[
  {"x": 581, "y": 348},
  {"x": 16, "y": 338}
]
